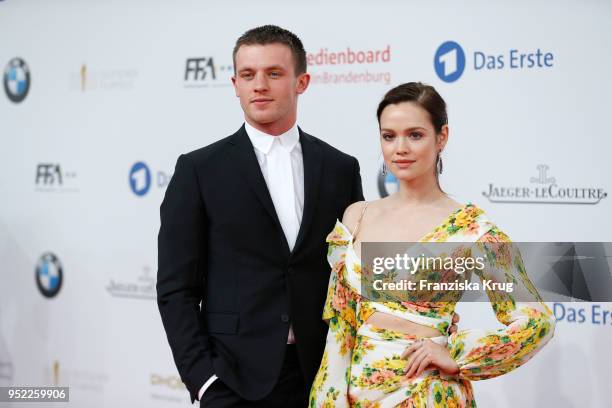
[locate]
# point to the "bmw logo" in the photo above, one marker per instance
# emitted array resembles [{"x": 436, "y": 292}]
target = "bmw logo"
[
  {"x": 49, "y": 275},
  {"x": 17, "y": 80},
  {"x": 387, "y": 184}
]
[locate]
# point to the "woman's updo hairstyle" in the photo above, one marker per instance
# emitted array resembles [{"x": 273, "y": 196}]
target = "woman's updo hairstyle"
[{"x": 423, "y": 95}]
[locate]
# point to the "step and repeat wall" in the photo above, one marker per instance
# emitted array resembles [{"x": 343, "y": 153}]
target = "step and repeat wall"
[{"x": 100, "y": 97}]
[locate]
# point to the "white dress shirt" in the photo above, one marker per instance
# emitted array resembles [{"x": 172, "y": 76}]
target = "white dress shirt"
[{"x": 282, "y": 166}]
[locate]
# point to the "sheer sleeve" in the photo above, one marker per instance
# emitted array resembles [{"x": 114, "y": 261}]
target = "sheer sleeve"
[{"x": 530, "y": 324}]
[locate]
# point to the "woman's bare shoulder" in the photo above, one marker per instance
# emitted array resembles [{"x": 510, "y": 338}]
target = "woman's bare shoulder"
[{"x": 352, "y": 214}]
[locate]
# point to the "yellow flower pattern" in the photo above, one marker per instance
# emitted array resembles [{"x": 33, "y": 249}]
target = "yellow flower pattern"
[{"x": 362, "y": 365}]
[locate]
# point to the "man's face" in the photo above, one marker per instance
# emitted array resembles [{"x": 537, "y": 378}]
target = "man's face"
[{"x": 268, "y": 87}]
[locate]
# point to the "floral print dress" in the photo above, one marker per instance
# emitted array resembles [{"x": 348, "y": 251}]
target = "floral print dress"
[{"x": 362, "y": 365}]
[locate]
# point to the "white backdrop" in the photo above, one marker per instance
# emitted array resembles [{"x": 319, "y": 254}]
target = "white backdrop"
[{"x": 108, "y": 90}]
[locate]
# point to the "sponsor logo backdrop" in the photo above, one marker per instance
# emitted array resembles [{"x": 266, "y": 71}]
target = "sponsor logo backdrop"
[{"x": 99, "y": 99}]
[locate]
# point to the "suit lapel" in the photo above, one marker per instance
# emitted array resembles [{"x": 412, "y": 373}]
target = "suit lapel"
[
  {"x": 246, "y": 160},
  {"x": 313, "y": 159}
]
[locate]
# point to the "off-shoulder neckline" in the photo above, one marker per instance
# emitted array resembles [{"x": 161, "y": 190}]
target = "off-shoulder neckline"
[{"x": 444, "y": 221}]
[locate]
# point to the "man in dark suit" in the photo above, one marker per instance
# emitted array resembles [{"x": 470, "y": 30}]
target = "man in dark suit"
[{"x": 242, "y": 272}]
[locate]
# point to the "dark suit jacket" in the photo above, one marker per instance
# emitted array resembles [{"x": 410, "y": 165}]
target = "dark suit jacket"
[{"x": 227, "y": 285}]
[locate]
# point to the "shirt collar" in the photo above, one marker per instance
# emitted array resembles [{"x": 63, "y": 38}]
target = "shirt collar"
[{"x": 263, "y": 141}]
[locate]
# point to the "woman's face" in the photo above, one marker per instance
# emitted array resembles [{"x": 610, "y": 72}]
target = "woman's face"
[{"x": 409, "y": 142}]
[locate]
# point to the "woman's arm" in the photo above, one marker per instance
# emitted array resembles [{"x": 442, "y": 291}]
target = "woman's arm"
[
  {"x": 482, "y": 354},
  {"x": 330, "y": 387}
]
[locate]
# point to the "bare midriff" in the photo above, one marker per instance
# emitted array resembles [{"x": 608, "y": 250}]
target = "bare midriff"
[{"x": 390, "y": 322}]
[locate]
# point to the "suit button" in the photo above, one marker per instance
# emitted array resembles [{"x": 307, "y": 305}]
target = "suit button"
[{"x": 284, "y": 318}]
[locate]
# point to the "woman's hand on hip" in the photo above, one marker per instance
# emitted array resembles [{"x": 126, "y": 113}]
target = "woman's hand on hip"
[{"x": 423, "y": 353}]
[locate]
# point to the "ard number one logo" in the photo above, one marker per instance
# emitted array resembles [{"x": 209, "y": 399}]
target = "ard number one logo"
[
  {"x": 449, "y": 61},
  {"x": 140, "y": 178}
]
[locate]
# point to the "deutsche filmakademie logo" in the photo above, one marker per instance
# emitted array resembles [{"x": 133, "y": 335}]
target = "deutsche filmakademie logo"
[
  {"x": 387, "y": 184},
  {"x": 95, "y": 78},
  {"x": 17, "y": 80},
  {"x": 49, "y": 275},
  {"x": 140, "y": 178},
  {"x": 449, "y": 61}
]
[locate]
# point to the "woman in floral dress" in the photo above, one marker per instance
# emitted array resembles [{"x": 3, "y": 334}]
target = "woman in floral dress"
[{"x": 383, "y": 353}]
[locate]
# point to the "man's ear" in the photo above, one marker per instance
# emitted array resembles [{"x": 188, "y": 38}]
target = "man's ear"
[
  {"x": 234, "y": 84},
  {"x": 303, "y": 80}
]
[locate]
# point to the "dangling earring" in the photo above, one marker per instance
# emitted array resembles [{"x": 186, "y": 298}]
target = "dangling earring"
[
  {"x": 384, "y": 169},
  {"x": 440, "y": 166}
]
